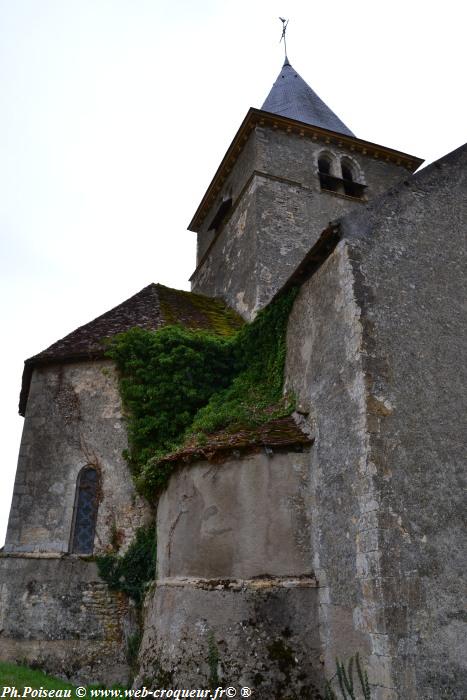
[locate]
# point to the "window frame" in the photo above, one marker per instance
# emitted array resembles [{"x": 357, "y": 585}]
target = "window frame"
[{"x": 73, "y": 548}]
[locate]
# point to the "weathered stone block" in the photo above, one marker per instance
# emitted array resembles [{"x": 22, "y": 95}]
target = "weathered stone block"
[{"x": 57, "y": 614}]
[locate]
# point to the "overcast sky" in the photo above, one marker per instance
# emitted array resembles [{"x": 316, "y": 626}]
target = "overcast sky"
[{"x": 116, "y": 113}]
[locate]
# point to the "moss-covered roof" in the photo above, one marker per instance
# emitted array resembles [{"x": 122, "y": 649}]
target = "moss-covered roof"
[
  {"x": 277, "y": 433},
  {"x": 151, "y": 308}
]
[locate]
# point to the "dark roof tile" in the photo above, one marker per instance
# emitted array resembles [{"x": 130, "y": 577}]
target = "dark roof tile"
[{"x": 152, "y": 307}]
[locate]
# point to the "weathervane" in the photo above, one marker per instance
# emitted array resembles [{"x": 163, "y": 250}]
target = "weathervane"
[{"x": 284, "y": 27}]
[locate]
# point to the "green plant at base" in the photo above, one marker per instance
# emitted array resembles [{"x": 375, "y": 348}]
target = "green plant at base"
[
  {"x": 20, "y": 676},
  {"x": 132, "y": 649},
  {"x": 180, "y": 385},
  {"x": 346, "y": 681},
  {"x": 131, "y": 572}
]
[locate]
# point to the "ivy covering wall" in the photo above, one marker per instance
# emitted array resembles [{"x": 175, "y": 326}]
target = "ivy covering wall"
[
  {"x": 132, "y": 571},
  {"x": 179, "y": 385}
]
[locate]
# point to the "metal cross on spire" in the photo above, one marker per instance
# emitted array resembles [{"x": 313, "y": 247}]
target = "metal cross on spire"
[{"x": 284, "y": 27}]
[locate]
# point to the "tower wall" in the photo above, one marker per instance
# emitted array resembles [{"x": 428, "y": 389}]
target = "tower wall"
[
  {"x": 278, "y": 212},
  {"x": 376, "y": 356},
  {"x": 238, "y": 179}
]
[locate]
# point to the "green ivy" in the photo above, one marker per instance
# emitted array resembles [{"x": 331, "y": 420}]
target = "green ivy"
[
  {"x": 131, "y": 572},
  {"x": 180, "y": 385},
  {"x": 165, "y": 378},
  {"x": 256, "y": 392}
]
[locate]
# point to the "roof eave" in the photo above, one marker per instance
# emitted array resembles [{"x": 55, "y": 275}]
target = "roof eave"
[{"x": 258, "y": 117}]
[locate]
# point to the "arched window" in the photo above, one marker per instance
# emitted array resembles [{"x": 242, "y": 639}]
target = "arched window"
[
  {"x": 351, "y": 183},
  {"x": 85, "y": 515},
  {"x": 348, "y": 178},
  {"x": 327, "y": 181},
  {"x": 324, "y": 165},
  {"x": 340, "y": 175},
  {"x": 347, "y": 172}
]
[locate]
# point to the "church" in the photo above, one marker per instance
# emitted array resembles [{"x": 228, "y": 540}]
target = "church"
[{"x": 334, "y": 531}]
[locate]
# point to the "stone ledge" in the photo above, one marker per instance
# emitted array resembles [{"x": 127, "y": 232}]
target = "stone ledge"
[
  {"x": 44, "y": 555},
  {"x": 238, "y": 584},
  {"x": 277, "y": 434}
]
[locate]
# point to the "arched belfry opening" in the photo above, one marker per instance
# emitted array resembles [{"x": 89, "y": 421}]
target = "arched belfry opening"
[
  {"x": 85, "y": 512},
  {"x": 326, "y": 177}
]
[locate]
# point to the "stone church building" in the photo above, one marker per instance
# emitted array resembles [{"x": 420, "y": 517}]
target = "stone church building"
[{"x": 346, "y": 535}]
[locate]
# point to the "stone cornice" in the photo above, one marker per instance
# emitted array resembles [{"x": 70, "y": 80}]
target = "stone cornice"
[
  {"x": 256, "y": 117},
  {"x": 259, "y": 583}
]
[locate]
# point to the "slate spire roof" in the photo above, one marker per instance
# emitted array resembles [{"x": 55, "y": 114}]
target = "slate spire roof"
[{"x": 292, "y": 97}]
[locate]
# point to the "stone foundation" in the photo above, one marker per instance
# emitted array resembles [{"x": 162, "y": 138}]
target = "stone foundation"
[
  {"x": 58, "y": 615},
  {"x": 261, "y": 633}
]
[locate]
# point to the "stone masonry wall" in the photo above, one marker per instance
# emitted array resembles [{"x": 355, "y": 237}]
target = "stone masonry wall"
[
  {"x": 279, "y": 211},
  {"x": 376, "y": 356},
  {"x": 234, "y": 580},
  {"x": 409, "y": 261},
  {"x": 235, "y": 248},
  {"x": 237, "y": 181},
  {"x": 56, "y": 613},
  {"x": 292, "y": 157},
  {"x": 73, "y": 419},
  {"x": 324, "y": 371}
]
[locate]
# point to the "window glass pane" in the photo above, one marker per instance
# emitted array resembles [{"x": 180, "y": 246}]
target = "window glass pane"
[{"x": 85, "y": 513}]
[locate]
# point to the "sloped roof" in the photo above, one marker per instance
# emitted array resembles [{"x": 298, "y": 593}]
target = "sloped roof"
[
  {"x": 152, "y": 307},
  {"x": 292, "y": 97},
  {"x": 278, "y": 433}
]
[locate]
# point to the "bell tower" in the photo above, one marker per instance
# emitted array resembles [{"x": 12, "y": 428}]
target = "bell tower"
[{"x": 292, "y": 167}]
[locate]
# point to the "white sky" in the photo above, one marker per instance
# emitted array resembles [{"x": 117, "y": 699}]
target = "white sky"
[{"x": 115, "y": 115}]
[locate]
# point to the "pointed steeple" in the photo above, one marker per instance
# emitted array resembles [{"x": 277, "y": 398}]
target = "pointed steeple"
[{"x": 292, "y": 97}]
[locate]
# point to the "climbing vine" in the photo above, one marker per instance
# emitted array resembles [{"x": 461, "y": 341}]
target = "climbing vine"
[
  {"x": 132, "y": 571},
  {"x": 179, "y": 385},
  {"x": 256, "y": 393},
  {"x": 165, "y": 378}
]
